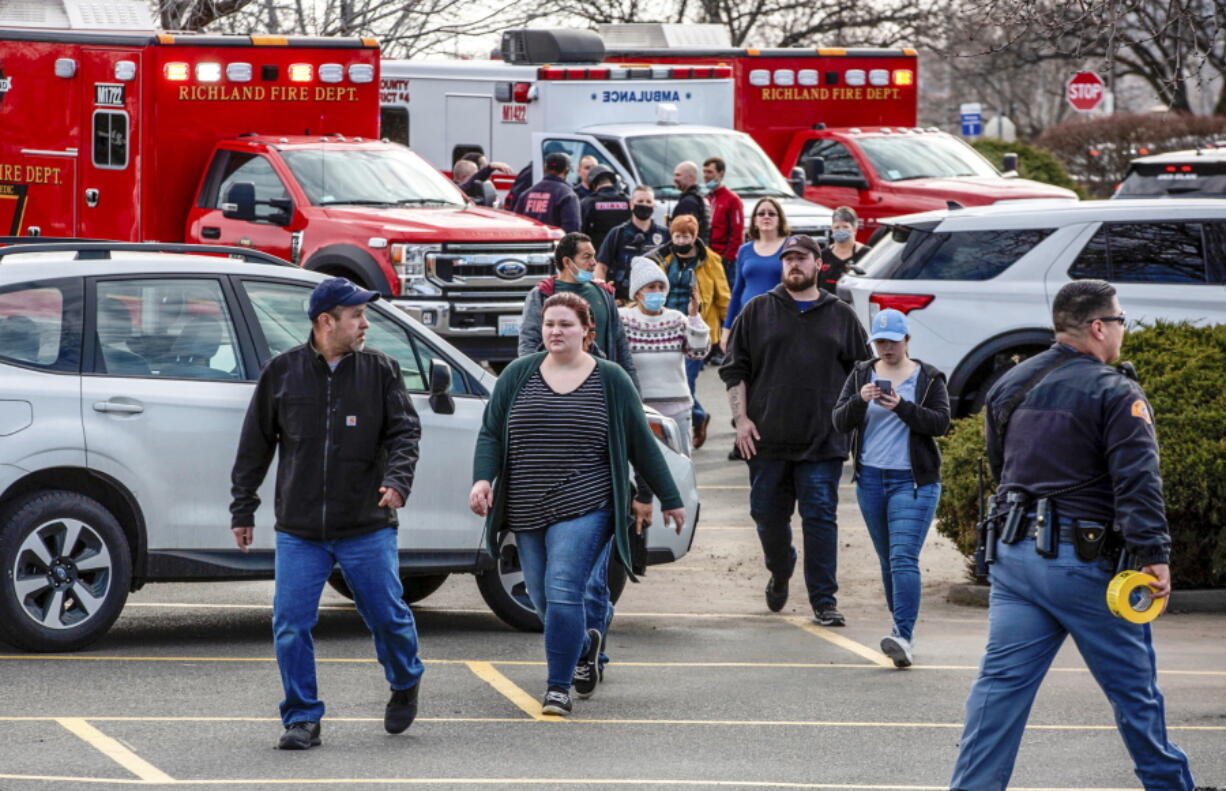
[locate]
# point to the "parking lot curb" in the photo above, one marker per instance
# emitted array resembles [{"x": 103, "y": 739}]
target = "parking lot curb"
[{"x": 1207, "y": 600}]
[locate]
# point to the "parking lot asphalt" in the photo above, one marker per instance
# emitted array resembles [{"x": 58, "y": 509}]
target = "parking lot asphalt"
[{"x": 707, "y": 689}]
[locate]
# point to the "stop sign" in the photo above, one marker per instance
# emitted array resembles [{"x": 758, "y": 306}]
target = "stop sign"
[{"x": 1085, "y": 91}]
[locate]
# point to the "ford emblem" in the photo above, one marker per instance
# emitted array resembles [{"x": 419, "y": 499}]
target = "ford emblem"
[{"x": 510, "y": 269}]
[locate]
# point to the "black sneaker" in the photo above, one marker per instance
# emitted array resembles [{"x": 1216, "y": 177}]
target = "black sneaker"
[
  {"x": 829, "y": 616},
  {"x": 299, "y": 736},
  {"x": 776, "y": 593},
  {"x": 401, "y": 709},
  {"x": 586, "y": 672},
  {"x": 557, "y": 701}
]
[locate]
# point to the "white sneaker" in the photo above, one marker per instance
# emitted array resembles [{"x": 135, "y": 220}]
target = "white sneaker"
[{"x": 898, "y": 649}]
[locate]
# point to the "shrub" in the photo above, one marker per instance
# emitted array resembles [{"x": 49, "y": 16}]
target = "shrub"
[
  {"x": 1033, "y": 162},
  {"x": 1096, "y": 151},
  {"x": 1183, "y": 370}
]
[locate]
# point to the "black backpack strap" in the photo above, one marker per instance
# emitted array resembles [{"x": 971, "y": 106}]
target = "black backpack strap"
[{"x": 1010, "y": 406}]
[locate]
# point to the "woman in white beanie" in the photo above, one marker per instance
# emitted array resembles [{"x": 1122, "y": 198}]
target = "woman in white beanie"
[{"x": 660, "y": 340}]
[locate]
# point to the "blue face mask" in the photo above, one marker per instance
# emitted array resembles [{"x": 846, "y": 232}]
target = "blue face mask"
[
  {"x": 711, "y": 185},
  {"x": 654, "y": 300},
  {"x": 583, "y": 276},
  {"x": 842, "y": 235}
]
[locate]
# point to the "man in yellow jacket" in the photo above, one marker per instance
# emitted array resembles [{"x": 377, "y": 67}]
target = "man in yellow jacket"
[{"x": 695, "y": 270}]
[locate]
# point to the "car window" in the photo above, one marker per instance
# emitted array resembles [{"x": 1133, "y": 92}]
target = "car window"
[
  {"x": 1215, "y": 251},
  {"x": 1190, "y": 179},
  {"x": 576, "y": 150},
  {"x": 839, "y": 161},
  {"x": 968, "y": 255},
  {"x": 1155, "y": 252},
  {"x": 40, "y": 324},
  {"x": 258, "y": 170},
  {"x": 174, "y": 328}
]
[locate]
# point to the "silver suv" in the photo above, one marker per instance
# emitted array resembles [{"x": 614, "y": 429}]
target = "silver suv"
[{"x": 125, "y": 372}]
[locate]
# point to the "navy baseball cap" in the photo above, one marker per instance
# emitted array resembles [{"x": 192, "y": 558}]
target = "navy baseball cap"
[
  {"x": 336, "y": 291},
  {"x": 800, "y": 242},
  {"x": 889, "y": 325}
]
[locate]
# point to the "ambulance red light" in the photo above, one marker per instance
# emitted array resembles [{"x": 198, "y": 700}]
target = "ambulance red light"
[
  {"x": 176, "y": 71},
  {"x": 1186, "y": 168},
  {"x": 300, "y": 72},
  {"x": 1169, "y": 169},
  {"x": 522, "y": 92},
  {"x": 904, "y": 77},
  {"x": 721, "y": 72},
  {"x": 208, "y": 72},
  {"x": 702, "y": 72},
  {"x": 682, "y": 72},
  {"x": 598, "y": 74},
  {"x": 550, "y": 73}
]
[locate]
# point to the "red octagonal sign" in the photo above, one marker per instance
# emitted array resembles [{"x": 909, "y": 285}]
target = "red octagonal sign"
[{"x": 1085, "y": 91}]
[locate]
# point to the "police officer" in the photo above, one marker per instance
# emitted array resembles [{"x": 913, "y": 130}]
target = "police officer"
[
  {"x": 605, "y": 208},
  {"x": 1071, "y": 441},
  {"x": 637, "y": 236}
]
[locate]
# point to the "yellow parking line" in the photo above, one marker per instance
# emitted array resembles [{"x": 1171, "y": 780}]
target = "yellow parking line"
[
  {"x": 831, "y": 636},
  {"x": 528, "y": 704},
  {"x": 112, "y": 749}
]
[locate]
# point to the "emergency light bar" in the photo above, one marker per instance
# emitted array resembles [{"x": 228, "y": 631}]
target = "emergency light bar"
[
  {"x": 633, "y": 72},
  {"x": 762, "y": 78},
  {"x": 212, "y": 71}
]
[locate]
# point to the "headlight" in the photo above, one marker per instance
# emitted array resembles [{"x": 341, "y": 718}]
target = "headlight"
[
  {"x": 409, "y": 260},
  {"x": 665, "y": 429}
]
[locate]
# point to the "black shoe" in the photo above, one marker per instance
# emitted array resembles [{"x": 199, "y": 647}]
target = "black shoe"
[
  {"x": 735, "y": 454},
  {"x": 776, "y": 593},
  {"x": 557, "y": 701},
  {"x": 299, "y": 736},
  {"x": 586, "y": 672},
  {"x": 401, "y": 709},
  {"x": 829, "y": 616}
]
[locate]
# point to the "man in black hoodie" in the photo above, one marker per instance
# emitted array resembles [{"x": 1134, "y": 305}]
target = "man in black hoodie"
[{"x": 790, "y": 351}]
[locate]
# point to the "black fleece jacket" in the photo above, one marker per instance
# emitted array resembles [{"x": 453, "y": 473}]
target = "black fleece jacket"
[
  {"x": 927, "y": 417},
  {"x": 793, "y": 363}
]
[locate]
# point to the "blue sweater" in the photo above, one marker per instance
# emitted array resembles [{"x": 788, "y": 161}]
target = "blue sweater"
[{"x": 755, "y": 274}]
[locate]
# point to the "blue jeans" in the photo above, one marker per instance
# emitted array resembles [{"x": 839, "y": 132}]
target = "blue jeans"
[
  {"x": 597, "y": 604},
  {"x": 898, "y": 516},
  {"x": 1035, "y": 603},
  {"x": 557, "y": 563},
  {"x": 775, "y": 489},
  {"x": 692, "y": 369},
  {"x": 371, "y": 567}
]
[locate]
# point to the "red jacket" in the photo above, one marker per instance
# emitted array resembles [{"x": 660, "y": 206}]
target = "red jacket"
[{"x": 727, "y": 222}]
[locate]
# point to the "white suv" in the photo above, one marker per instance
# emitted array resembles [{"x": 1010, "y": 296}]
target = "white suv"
[
  {"x": 125, "y": 372},
  {"x": 977, "y": 283}
]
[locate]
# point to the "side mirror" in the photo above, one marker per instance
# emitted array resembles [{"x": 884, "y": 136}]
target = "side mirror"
[
  {"x": 815, "y": 168},
  {"x": 285, "y": 210},
  {"x": 240, "y": 202},
  {"x": 1009, "y": 164},
  {"x": 441, "y": 402},
  {"x": 797, "y": 180}
]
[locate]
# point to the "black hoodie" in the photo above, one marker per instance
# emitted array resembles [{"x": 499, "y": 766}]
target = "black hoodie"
[
  {"x": 793, "y": 364},
  {"x": 927, "y": 418}
]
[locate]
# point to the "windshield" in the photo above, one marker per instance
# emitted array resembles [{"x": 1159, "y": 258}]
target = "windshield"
[
  {"x": 750, "y": 171},
  {"x": 1197, "y": 180},
  {"x": 924, "y": 157},
  {"x": 364, "y": 177}
]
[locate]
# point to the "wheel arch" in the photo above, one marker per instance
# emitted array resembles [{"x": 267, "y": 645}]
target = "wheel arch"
[
  {"x": 347, "y": 260},
  {"x": 112, "y": 495},
  {"x": 979, "y": 363}
]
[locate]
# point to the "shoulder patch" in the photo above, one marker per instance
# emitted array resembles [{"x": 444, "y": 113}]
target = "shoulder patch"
[{"x": 1140, "y": 410}]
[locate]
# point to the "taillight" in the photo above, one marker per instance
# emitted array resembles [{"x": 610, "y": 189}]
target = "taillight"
[
  {"x": 903, "y": 303},
  {"x": 522, "y": 92}
]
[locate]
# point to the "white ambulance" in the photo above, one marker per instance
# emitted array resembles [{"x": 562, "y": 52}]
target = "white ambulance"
[{"x": 638, "y": 120}]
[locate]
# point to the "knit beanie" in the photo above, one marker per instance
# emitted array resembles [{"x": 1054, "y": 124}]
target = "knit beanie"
[{"x": 644, "y": 271}]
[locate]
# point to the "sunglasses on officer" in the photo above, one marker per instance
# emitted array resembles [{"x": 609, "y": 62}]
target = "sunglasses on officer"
[{"x": 1122, "y": 318}]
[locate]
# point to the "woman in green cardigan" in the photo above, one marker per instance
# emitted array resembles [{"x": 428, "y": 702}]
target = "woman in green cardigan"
[{"x": 557, "y": 438}]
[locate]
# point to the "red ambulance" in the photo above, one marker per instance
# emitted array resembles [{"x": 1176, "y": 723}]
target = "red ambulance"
[
  {"x": 259, "y": 141},
  {"x": 844, "y": 123}
]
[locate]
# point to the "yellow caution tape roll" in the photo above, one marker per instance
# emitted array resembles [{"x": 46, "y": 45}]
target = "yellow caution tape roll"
[{"x": 1129, "y": 597}]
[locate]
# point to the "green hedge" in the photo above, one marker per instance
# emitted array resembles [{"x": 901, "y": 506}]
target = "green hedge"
[
  {"x": 1033, "y": 162},
  {"x": 1183, "y": 370}
]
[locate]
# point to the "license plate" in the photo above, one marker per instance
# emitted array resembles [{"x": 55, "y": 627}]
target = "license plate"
[{"x": 508, "y": 326}]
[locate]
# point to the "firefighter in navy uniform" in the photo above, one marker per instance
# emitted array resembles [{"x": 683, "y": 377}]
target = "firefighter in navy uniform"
[
  {"x": 1071, "y": 441},
  {"x": 605, "y": 207}
]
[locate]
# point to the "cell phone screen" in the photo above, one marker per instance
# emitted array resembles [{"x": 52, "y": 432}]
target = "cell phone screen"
[{"x": 885, "y": 386}]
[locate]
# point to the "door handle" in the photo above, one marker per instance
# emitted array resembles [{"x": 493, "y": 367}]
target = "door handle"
[
  {"x": 115, "y": 406},
  {"x": 210, "y": 232},
  {"x": 91, "y": 197}
]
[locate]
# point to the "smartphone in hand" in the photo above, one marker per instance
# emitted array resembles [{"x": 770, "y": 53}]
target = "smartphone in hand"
[{"x": 885, "y": 385}]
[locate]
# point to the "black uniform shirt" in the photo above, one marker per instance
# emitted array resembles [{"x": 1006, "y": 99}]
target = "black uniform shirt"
[
  {"x": 1083, "y": 420},
  {"x": 602, "y": 211}
]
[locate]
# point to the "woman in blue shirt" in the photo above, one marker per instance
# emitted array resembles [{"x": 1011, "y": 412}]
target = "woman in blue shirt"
[
  {"x": 758, "y": 265},
  {"x": 895, "y": 408}
]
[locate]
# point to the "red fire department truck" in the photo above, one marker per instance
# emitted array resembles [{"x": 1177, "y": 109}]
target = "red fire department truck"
[
  {"x": 260, "y": 141},
  {"x": 848, "y": 119}
]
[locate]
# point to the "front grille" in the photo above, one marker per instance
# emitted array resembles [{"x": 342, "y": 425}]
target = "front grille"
[{"x": 505, "y": 268}]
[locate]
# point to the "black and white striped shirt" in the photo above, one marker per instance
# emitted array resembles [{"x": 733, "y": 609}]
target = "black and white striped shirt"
[{"x": 558, "y": 453}]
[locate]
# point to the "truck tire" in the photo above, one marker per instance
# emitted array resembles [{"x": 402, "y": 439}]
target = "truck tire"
[
  {"x": 66, "y": 571},
  {"x": 502, "y": 587},
  {"x": 416, "y": 587}
]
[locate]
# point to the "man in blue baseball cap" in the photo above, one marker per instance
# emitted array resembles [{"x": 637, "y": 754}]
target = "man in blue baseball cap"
[{"x": 347, "y": 434}]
